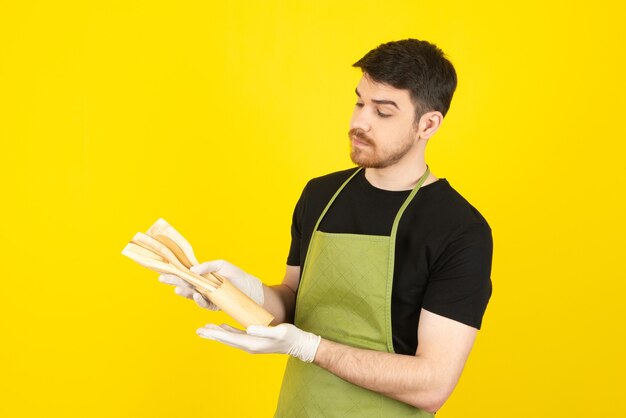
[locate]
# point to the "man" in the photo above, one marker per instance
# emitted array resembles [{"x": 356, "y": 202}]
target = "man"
[{"x": 388, "y": 274}]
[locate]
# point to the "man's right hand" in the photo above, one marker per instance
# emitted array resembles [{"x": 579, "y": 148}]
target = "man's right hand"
[{"x": 247, "y": 283}]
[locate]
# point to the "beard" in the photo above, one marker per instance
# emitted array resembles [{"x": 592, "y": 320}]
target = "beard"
[{"x": 373, "y": 156}]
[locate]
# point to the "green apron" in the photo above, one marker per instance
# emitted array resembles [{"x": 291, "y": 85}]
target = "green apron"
[{"x": 344, "y": 296}]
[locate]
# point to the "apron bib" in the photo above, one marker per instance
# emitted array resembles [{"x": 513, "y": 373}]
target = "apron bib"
[{"x": 344, "y": 296}]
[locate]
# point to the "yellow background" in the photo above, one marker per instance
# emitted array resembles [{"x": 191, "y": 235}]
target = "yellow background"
[{"x": 214, "y": 116}]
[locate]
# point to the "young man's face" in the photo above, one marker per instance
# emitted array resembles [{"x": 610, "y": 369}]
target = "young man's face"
[{"x": 382, "y": 128}]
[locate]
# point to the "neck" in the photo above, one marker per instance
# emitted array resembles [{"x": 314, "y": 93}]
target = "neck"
[{"x": 402, "y": 175}]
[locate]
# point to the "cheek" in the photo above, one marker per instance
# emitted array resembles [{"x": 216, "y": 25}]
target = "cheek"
[
  {"x": 393, "y": 136},
  {"x": 404, "y": 130}
]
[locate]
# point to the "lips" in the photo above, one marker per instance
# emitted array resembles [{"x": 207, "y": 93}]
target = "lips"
[
  {"x": 359, "y": 142},
  {"x": 358, "y": 138}
]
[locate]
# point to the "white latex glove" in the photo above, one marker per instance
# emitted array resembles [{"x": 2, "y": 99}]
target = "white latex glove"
[
  {"x": 245, "y": 282},
  {"x": 281, "y": 339}
]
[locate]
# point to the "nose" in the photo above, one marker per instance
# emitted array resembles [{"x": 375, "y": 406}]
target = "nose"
[{"x": 360, "y": 120}]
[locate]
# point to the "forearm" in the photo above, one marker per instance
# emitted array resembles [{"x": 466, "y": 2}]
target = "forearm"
[
  {"x": 409, "y": 379},
  {"x": 279, "y": 301}
]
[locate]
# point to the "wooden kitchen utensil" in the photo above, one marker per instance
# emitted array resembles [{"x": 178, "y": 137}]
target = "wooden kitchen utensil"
[{"x": 166, "y": 251}]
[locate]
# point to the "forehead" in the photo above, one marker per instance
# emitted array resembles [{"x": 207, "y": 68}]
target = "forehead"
[{"x": 370, "y": 89}]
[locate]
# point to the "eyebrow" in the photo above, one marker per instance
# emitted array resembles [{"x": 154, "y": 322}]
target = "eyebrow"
[{"x": 389, "y": 102}]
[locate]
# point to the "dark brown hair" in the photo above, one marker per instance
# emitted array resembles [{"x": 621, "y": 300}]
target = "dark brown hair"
[{"x": 417, "y": 66}]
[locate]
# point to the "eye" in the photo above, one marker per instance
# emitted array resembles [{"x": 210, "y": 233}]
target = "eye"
[
  {"x": 382, "y": 115},
  {"x": 357, "y": 104}
]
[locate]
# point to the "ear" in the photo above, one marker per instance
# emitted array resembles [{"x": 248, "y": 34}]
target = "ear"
[{"x": 428, "y": 124}]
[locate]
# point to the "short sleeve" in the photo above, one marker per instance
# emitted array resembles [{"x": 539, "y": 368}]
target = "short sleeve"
[
  {"x": 293, "y": 259},
  {"x": 459, "y": 286}
]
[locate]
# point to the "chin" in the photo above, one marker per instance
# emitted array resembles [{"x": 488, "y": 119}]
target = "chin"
[{"x": 366, "y": 163}]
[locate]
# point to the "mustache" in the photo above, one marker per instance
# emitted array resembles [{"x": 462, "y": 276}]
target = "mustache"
[{"x": 358, "y": 134}]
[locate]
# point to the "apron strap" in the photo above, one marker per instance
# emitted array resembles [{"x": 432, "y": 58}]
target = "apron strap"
[
  {"x": 408, "y": 200},
  {"x": 392, "y": 257},
  {"x": 332, "y": 199}
]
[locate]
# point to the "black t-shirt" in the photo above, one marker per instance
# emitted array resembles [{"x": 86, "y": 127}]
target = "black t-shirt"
[{"x": 443, "y": 246}]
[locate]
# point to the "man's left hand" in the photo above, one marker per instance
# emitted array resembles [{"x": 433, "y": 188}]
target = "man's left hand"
[{"x": 281, "y": 339}]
